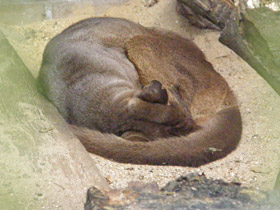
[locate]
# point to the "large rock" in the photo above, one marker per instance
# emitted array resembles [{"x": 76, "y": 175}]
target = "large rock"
[{"x": 42, "y": 165}]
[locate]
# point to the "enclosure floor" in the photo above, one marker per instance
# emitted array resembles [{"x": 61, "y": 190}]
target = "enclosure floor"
[{"x": 255, "y": 163}]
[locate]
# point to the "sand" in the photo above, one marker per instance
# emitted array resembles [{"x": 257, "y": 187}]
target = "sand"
[{"x": 256, "y": 161}]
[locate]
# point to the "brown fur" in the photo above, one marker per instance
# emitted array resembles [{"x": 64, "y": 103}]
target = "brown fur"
[{"x": 198, "y": 99}]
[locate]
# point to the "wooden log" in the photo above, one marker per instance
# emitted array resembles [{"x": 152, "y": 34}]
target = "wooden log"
[{"x": 42, "y": 165}]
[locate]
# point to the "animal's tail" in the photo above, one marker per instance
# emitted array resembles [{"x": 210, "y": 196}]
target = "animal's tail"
[{"x": 218, "y": 137}]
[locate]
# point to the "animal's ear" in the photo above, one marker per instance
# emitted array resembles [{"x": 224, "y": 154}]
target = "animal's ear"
[{"x": 154, "y": 93}]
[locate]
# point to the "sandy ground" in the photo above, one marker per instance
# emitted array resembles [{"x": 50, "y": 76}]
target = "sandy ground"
[{"x": 256, "y": 161}]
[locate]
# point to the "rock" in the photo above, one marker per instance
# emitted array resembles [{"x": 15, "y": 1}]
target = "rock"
[{"x": 193, "y": 191}]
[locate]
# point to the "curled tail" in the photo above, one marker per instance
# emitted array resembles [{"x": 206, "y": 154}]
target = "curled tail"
[{"x": 218, "y": 137}]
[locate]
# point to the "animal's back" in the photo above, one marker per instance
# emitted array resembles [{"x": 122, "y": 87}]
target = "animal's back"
[
  {"x": 183, "y": 69},
  {"x": 164, "y": 56}
]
